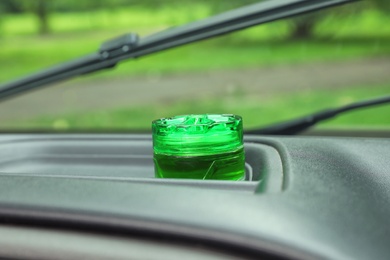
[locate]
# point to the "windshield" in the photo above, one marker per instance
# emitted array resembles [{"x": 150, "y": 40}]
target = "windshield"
[{"x": 266, "y": 74}]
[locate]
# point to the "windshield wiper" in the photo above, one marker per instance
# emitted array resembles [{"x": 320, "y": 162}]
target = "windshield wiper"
[
  {"x": 131, "y": 46},
  {"x": 298, "y": 125}
]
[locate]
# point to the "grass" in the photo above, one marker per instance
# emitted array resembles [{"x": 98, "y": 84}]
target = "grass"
[
  {"x": 256, "y": 111},
  {"x": 76, "y": 34},
  {"x": 197, "y": 57}
]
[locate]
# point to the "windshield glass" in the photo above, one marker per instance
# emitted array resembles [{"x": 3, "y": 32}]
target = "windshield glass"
[{"x": 266, "y": 74}]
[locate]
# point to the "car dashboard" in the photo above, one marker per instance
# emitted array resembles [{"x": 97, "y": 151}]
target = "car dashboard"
[{"x": 304, "y": 197}]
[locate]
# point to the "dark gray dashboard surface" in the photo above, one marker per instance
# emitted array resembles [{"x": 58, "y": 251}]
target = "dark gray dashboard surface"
[
  {"x": 126, "y": 159},
  {"x": 334, "y": 203}
]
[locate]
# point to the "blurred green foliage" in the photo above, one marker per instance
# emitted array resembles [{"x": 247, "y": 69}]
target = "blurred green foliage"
[
  {"x": 335, "y": 37},
  {"x": 44, "y": 10}
]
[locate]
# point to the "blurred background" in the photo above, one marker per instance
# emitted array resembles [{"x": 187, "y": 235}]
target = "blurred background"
[{"x": 266, "y": 74}]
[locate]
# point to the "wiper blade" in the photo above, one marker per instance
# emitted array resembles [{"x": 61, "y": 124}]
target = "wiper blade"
[
  {"x": 298, "y": 125},
  {"x": 130, "y": 46}
]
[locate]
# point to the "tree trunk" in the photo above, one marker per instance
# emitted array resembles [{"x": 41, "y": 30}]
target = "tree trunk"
[
  {"x": 303, "y": 28},
  {"x": 42, "y": 12}
]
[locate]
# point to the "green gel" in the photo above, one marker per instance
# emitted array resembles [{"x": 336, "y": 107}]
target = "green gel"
[{"x": 199, "y": 147}]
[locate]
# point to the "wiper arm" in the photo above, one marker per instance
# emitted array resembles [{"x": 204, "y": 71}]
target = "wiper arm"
[
  {"x": 130, "y": 46},
  {"x": 298, "y": 125}
]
